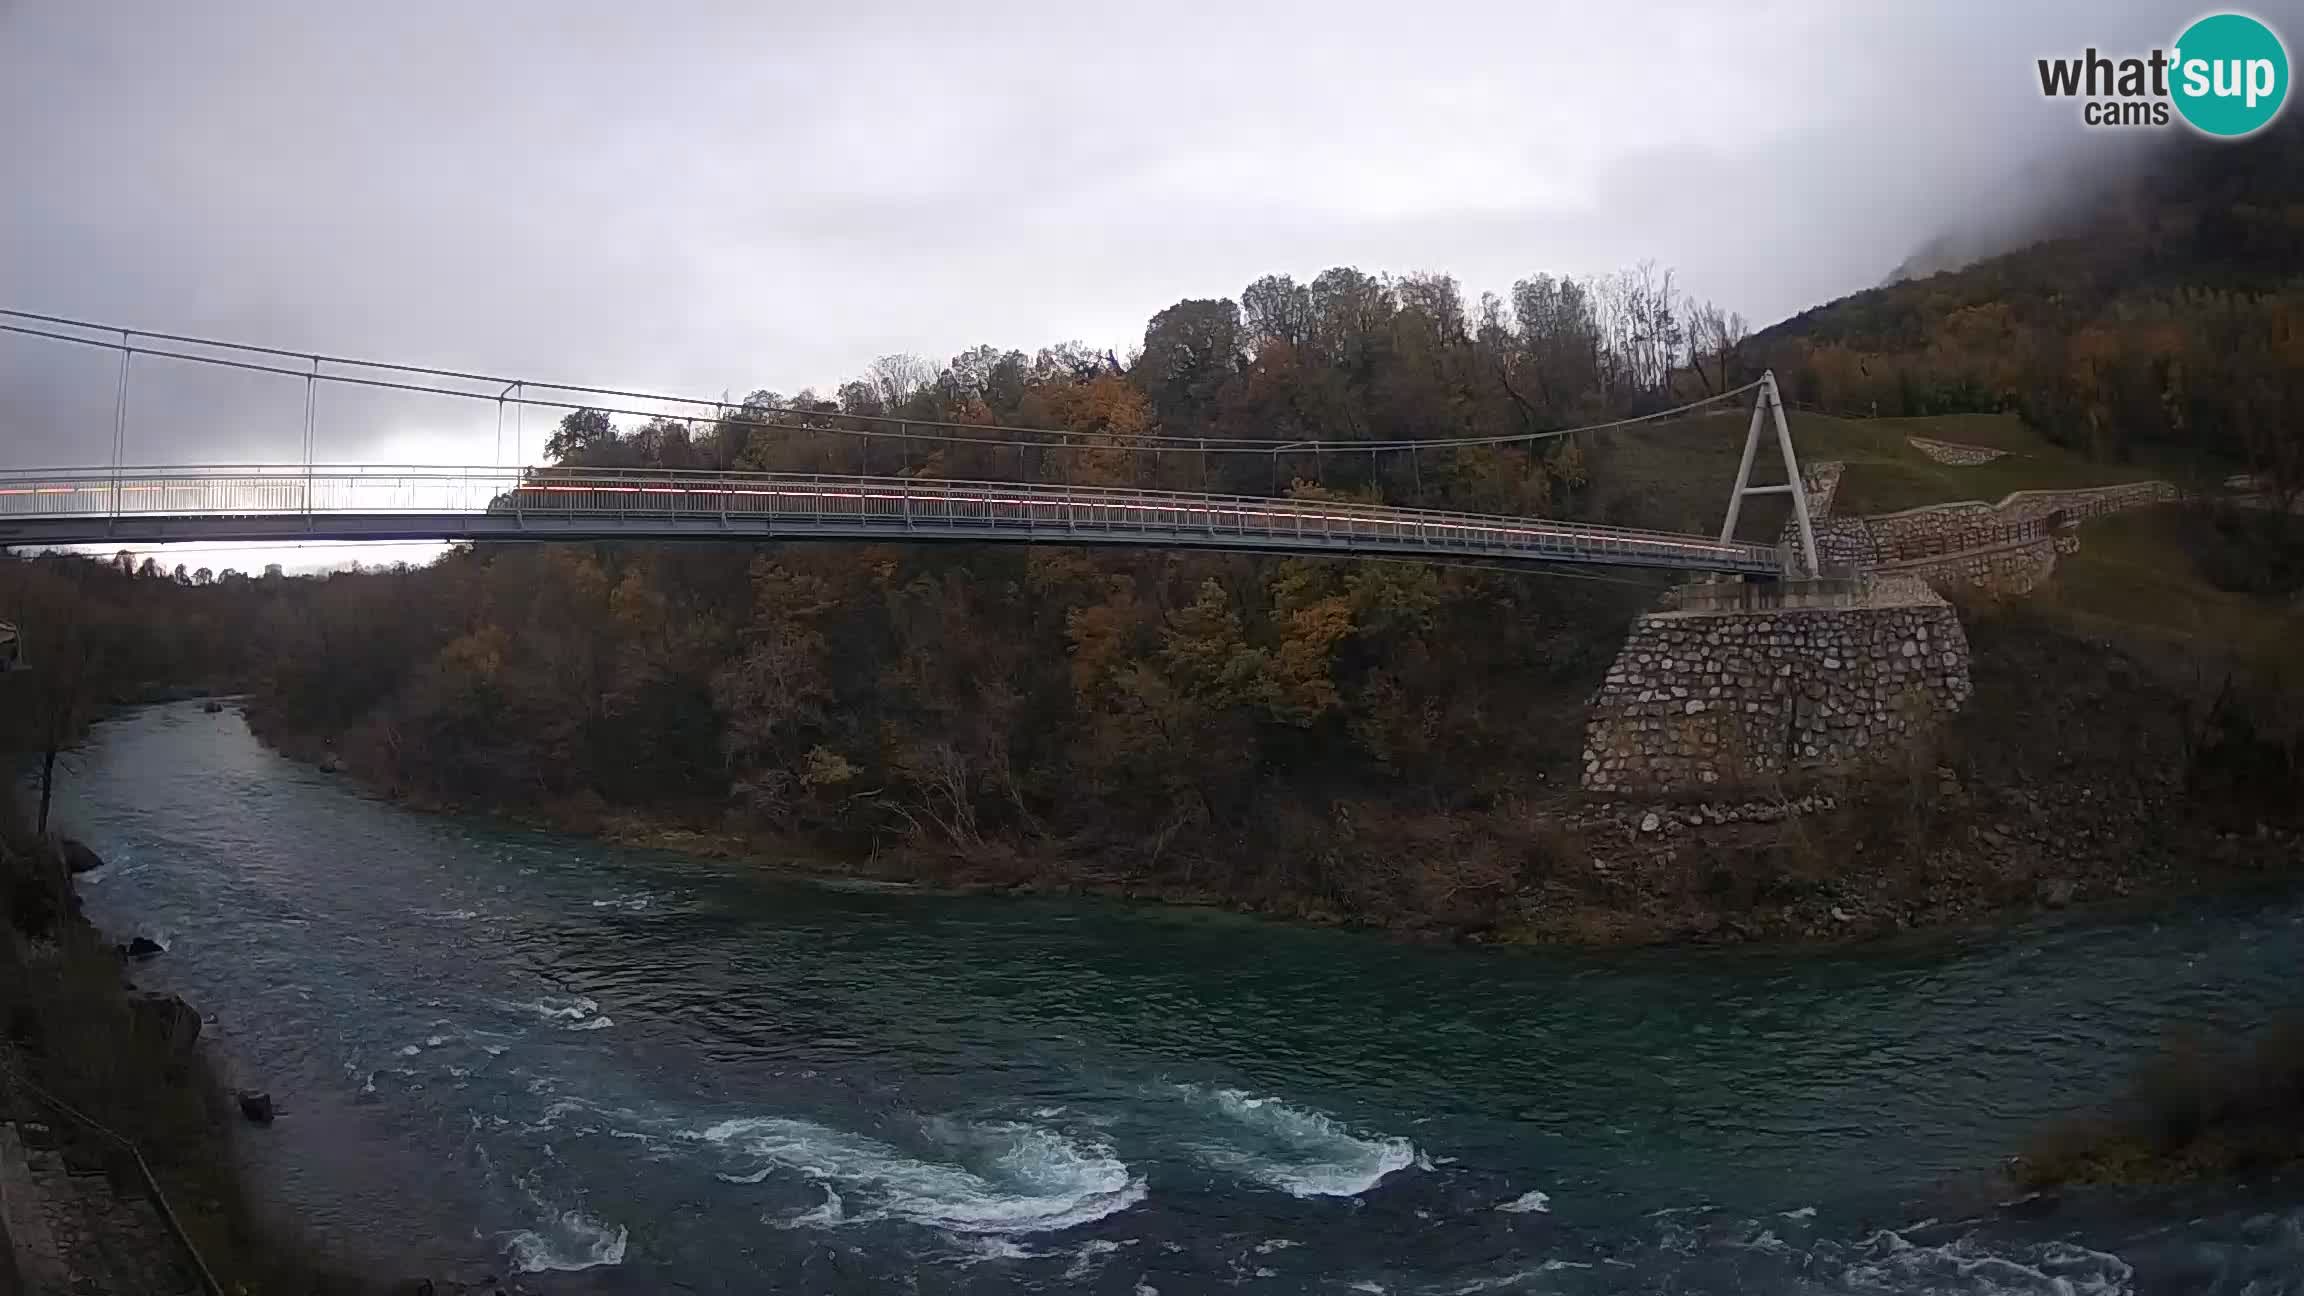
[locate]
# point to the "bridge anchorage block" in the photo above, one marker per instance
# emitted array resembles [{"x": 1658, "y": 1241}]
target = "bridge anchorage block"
[{"x": 1736, "y": 687}]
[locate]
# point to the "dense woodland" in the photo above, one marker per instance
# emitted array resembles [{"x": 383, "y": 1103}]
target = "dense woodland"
[
  {"x": 1361, "y": 737},
  {"x": 1220, "y": 718}
]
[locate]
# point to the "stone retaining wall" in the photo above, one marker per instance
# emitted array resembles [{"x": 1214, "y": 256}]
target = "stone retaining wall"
[
  {"x": 1710, "y": 701},
  {"x": 1939, "y": 529},
  {"x": 1840, "y": 542},
  {"x": 1845, "y": 542},
  {"x": 2007, "y": 570},
  {"x": 1822, "y": 482},
  {"x": 1944, "y": 530},
  {"x": 1955, "y": 452}
]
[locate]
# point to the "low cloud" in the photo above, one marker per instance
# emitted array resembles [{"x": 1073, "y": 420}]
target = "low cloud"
[{"x": 728, "y": 198}]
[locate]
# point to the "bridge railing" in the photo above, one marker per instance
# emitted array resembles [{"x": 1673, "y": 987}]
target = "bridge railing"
[{"x": 869, "y": 504}]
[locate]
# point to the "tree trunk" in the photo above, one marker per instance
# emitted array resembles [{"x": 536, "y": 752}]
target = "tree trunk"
[{"x": 47, "y": 785}]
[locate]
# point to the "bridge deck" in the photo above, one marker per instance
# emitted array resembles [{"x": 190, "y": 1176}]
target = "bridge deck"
[{"x": 270, "y": 504}]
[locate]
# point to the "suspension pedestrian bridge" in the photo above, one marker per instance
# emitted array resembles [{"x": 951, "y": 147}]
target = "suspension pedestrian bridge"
[{"x": 121, "y": 503}]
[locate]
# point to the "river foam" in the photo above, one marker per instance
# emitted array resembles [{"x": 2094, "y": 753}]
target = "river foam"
[
  {"x": 824, "y": 1214},
  {"x": 1886, "y": 1262},
  {"x": 561, "y": 1007},
  {"x": 568, "y": 1241},
  {"x": 1299, "y": 1151},
  {"x": 991, "y": 1177},
  {"x": 1533, "y": 1201}
]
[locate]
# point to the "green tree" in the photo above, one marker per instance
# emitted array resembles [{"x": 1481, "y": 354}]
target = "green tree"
[{"x": 581, "y": 433}]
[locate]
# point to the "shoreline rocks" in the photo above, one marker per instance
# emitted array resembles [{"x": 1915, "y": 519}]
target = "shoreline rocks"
[
  {"x": 168, "y": 1019},
  {"x": 79, "y": 858}
]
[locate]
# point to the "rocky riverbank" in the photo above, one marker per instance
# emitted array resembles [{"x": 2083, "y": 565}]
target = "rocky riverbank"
[
  {"x": 1940, "y": 845},
  {"x": 98, "y": 1081}
]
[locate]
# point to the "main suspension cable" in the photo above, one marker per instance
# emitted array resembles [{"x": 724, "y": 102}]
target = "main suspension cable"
[{"x": 776, "y": 416}]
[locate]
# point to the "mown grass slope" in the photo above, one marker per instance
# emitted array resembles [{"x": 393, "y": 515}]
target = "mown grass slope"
[
  {"x": 1676, "y": 475},
  {"x": 2141, "y": 575}
]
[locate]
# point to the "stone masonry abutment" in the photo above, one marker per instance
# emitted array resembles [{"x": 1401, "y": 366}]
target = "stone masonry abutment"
[{"x": 1735, "y": 686}]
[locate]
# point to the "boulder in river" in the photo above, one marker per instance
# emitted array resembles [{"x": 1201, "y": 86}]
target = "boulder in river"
[
  {"x": 331, "y": 763},
  {"x": 142, "y": 947},
  {"x": 167, "y": 1019},
  {"x": 257, "y": 1107},
  {"x": 79, "y": 858},
  {"x": 212, "y": 706},
  {"x": 2039, "y": 1205}
]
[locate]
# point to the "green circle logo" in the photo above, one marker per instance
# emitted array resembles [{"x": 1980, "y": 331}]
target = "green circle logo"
[{"x": 2229, "y": 75}]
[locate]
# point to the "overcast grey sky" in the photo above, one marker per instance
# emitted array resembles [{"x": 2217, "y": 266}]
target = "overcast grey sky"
[{"x": 721, "y": 197}]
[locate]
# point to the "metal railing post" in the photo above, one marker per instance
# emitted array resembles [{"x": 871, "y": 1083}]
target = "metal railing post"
[
  {"x": 120, "y": 423},
  {"x": 311, "y": 400}
]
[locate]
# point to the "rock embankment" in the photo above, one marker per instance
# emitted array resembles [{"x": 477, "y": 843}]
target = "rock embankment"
[
  {"x": 1930, "y": 849},
  {"x": 79, "y": 858},
  {"x": 75, "y": 1211}
]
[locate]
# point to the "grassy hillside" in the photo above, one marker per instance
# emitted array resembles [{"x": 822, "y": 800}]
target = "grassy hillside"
[
  {"x": 1886, "y": 472},
  {"x": 2195, "y": 215},
  {"x": 1677, "y": 475},
  {"x": 2142, "y": 576},
  {"x": 2164, "y": 327}
]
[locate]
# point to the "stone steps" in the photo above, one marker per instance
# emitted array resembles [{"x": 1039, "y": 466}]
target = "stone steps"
[
  {"x": 34, "y": 1266},
  {"x": 71, "y": 1229}
]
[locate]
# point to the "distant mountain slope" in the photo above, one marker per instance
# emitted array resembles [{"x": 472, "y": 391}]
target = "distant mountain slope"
[
  {"x": 2050, "y": 197},
  {"x": 2196, "y": 213},
  {"x": 2168, "y": 309}
]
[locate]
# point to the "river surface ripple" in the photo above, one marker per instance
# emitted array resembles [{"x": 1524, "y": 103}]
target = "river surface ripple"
[{"x": 612, "y": 1070}]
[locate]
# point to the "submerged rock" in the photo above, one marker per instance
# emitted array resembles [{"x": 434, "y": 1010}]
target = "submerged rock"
[
  {"x": 212, "y": 706},
  {"x": 79, "y": 858},
  {"x": 2038, "y": 1205},
  {"x": 142, "y": 947},
  {"x": 257, "y": 1107}
]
